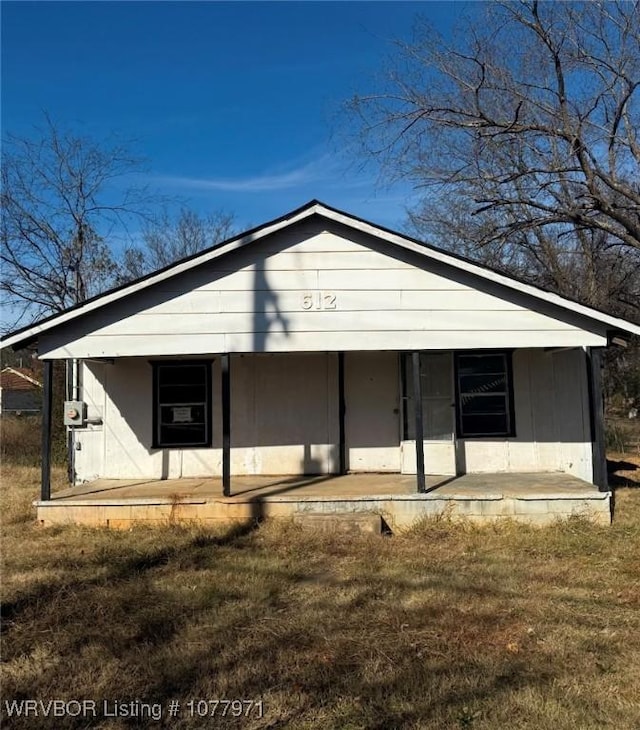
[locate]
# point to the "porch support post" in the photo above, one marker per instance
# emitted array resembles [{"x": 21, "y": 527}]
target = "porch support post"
[
  {"x": 596, "y": 416},
  {"x": 417, "y": 403},
  {"x": 70, "y": 394},
  {"x": 47, "y": 402},
  {"x": 341, "y": 415},
  {"x": 226, "y": 425}
]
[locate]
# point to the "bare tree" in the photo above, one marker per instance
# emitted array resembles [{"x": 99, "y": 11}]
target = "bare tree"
[
  {"x": 523, "y": 132},
  {"x": 167, "y": 239},
  {"x": 579, "y": 263},
  {"x": 62, "y": 197}
]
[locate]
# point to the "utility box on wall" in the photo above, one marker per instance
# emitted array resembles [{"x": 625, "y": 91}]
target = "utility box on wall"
[{"x": 74, "y": 413}]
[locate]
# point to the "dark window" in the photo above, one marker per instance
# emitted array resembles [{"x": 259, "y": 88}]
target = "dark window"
[
  {"x": 181, "y": 404},
  {"x": 484, "y": 394}
]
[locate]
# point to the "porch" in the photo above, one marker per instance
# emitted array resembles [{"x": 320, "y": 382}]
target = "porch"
[{"x": 536, "y": 498}]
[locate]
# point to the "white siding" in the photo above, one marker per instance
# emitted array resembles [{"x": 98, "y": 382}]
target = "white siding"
[
  {"x": 287, "y": 418},
  {"x": 284, "y": 421},
  {"x": 308, "y": 289},
  {"x": 89, "y": 460},
  {"x": 439, "y": 457}
]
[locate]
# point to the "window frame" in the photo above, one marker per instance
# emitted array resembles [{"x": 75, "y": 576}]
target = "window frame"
[
  {"x": 208, "y": 406},
  {"x": 510, "y": 408}
]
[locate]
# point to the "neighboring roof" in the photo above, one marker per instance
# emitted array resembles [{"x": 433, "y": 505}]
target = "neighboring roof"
[
  {"x": 18, "y": 379},
  {"x": 27, "y": 334}
]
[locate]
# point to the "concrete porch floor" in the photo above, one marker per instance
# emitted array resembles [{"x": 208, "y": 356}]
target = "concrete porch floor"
[
  {"x": 257, "y": 488},
  {"x": 536, "y": 498}
]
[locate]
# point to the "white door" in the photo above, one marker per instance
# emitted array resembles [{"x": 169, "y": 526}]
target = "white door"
[{"x": 372, "y": 409}]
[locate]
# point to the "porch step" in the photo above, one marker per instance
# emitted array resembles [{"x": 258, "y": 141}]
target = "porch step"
[{"x": 340, "y": 521}]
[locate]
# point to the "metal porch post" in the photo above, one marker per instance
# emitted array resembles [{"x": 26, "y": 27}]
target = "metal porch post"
[
  {"x": 341, "y": 415},
  {"x": 226, "y": 425},
  {"x": 47, "y": 402},
  {"x": 596, "y": 416},
  {"x": 417, "y": 406}
]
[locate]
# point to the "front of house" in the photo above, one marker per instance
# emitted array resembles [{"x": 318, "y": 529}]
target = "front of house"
[
  {"x": 498, "y": 410},
  {"x": 303, "y": 347}
]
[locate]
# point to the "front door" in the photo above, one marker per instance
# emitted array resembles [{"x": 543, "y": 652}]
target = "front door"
[
  {"x": 372, "y": 407},
  {"x": 438, "y": 409}
]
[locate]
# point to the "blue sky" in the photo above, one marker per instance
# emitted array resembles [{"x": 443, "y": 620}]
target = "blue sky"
[{"x": 234, "y": 105}]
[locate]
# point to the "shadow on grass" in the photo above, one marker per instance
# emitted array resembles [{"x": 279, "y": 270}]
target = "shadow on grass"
[
  {"x": 363, "y": 644},
  {"x": 617, "y": 479},
  {"x": 128, "y": 568}
]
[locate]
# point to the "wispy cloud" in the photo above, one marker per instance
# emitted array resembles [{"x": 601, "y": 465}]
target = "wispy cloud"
[
  {"x": 328, "y": 170},
  {"x": 331, "y": 177},
  {"x": 302, "y": 175}
]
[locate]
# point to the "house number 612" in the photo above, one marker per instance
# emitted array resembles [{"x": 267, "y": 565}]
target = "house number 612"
[{"x": 318, "y": 300}]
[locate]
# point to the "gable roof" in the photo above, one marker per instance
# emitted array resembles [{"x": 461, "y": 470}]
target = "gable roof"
[
  {"x": 18, "y": 379},
  {"x": 27, "y": 334}
]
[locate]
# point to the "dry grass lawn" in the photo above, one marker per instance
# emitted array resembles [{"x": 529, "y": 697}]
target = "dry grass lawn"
[{"x": 444, "y": 627}]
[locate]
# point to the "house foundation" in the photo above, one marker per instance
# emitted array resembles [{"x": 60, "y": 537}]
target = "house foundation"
[{"x": 537, "y": 499}]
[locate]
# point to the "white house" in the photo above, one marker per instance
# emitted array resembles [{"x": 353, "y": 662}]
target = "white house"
[{"x": 302, "y": 347}]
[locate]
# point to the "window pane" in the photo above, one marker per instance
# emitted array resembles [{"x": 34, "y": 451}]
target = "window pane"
[
  {"x": 483, "y": 404},
  {"x": 485, "y": 383},
  {"x": 183, "y": 434},
  {"x": 484, "y": 392},
  {"x": 182, "y": 404},
  {"x": 183, "y": 393},
  {"x": 484, "y": 425},
  {"x": 181, "y": 374},
  {"x": 476, "y": 364}
]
